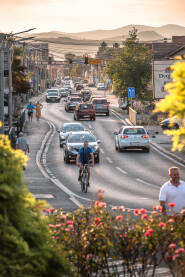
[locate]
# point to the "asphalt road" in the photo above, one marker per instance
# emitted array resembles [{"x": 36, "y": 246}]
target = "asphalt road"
[{"x": 132, "y": 178}]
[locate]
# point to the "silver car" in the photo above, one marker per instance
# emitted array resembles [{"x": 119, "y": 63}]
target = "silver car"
[
  {"x": 66, "y": 129},
  {"x": 132, "y": 137}
]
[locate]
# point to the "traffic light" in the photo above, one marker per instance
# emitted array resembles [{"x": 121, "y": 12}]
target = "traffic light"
[{"x": 86, "y": 59}]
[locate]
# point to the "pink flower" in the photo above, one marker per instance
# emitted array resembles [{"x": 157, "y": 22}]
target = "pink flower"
[
  {"x": 148, "y": 232},
  {"x": 67, "y": 229},
  {"x": 144, "y": 216},
  {"x": 143, "y": 211},
  {"x": 171, "y": 220},
  {"x": 102, "y": 205},
  {"x": 119, "y": 217},
  {"x": 154, "y": 212},
  {"x": 89, "y": 256},
  {"x": 171, "y": 205},
  {"x": 45, "y": 210},
  {"x": 183, "y": 211},
  {"x": 100, "y": 224},
  {"x": 97, "y": 203},
  {"x": 180, "y": 250},
  {"x": 172, "y": 245},
  {"x": 121, "y": 208},
  {"x": 114, "y": 208},
  {"x": 154, "y": 207},
  {"x": 51, "y": 226},
  {"x": 162, "y": 224},
  {"x": 97, "y": 220},
  {"x": 159, "y": 208},
  {"x": 63, "y": 216},
  {"x": 51, "y": 209},
  {"x": 69, "y": 222},
  {"x": 175, "y": 257},
  {"x": 136, "y": 212},
  {"x": 58, "y": 225}
]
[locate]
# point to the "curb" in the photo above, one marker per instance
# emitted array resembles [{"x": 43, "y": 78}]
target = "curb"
[{"x": 162, "y": 149}]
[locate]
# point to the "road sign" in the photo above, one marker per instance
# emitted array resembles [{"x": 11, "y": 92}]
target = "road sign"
[
  {"x": 78, "y": 61},
  {"x": 58, "y": 63},
  {"x": 94, "y": 61},
  {"x": 131, "y": 92}
]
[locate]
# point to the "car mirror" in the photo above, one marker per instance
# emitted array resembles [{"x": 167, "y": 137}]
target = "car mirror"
[
  {"x": 115, "y": 133},
  {"x": 98, "y": 141},
  {"x": 58, "y": 131}
]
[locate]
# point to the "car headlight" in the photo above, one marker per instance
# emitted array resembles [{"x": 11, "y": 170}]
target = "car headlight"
[
  {"x": 70, "y": 148},
  {"x": 62, "y": 137},
  {"x": 95, "y": 147}
]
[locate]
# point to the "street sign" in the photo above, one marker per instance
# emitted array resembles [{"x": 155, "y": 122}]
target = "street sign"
[
  {"x": 131, "y": 92},
  {"x": 78, "y": 61},
  {"x": 58, "y": 63},
  {"x": 94, "y": 61}
]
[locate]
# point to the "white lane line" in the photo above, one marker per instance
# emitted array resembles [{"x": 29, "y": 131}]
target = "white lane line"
[
  {"x": 109, "y": 160},
  {"x": 146, "y": 183},
  {"x": 166, "y": 156},
  {"x": 43, "y": 196},
  {"x": 121, "y": 170},
  {"x": 119, "y": 117},
  {"x": 102, "y": 151}
]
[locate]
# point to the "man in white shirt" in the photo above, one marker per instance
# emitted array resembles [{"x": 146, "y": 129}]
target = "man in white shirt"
[{"x": 173, "y": 191}]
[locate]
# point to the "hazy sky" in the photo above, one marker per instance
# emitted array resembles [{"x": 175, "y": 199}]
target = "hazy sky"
[{"x": 83, "y": 15}]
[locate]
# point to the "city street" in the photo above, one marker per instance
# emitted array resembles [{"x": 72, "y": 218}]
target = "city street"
[{"x": 130, "y": 178}]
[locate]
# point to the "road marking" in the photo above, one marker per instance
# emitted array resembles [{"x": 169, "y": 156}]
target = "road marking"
[
  {"x": 109, "y": 160},
  {"x": 90, "y": 126},
  {"x": 102, "y": 151},
  {"x": 43, "y": 196},
  {"x": 121, "y": 170},
  {"x": 146, "y": 183}
]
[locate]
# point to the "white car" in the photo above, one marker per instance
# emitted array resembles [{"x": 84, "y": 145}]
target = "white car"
[
  {"x": 53, "y": 95},
  {"x": 68, "y": 128},
  {"x": 64, "y": 92},
  {"x": 101, "y": 86},
  {"x": 132, "y": 137}
]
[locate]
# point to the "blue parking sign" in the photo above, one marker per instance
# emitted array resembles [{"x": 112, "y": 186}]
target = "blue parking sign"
[{"x": 131, "y": 92}]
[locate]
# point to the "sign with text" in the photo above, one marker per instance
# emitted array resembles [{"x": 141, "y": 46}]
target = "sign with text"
[
  {"x": 131, "y": 92},
  {"x": 161, "y": 76},
  {"x": 94, "y": 61}
]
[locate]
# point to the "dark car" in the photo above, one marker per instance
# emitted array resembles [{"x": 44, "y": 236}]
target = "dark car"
[
  {"x": 85, "y": 94},
  {"x": 75, "y": 141},
  {"x": 101, "y": 105},
  {"x": 84, "y": 110},
  {"x": 79, "y": 87},
  {"x": 71, "y": 103},
  {"x": 91, "y": 85},
  {"x": 170, "y": 123},
  {"x": 66, "y": 129}
]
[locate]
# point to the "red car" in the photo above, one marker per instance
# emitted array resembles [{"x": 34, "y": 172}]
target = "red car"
[{"x": 84, "y": 110}]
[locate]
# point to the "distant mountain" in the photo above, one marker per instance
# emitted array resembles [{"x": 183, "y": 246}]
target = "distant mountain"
[
  {"x": 171, "y": 30},
  {"x": 149, "y": 36}
]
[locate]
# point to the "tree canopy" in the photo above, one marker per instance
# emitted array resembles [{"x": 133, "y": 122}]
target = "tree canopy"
[{"x": 131, "y": 67}]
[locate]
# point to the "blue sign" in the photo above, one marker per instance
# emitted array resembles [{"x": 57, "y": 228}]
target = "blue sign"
[
  {"x": 131, "y": 92},
  {"x": 109, "y": 82}
]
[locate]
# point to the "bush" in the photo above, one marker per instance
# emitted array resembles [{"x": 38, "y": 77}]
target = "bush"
[
  {"x": 99, "y": 241},
  {"x": 26, "y": 249}
]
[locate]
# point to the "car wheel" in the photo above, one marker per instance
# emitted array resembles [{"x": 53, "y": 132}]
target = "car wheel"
[
  {"x": 94, "y": 118},
  {"x": 147, "y": 150},
  {"x": 61, "y": 145},
  {"x": 116, "y": 147},
  {"x": 119, "y": 149},
  {"x": 67, "y": 160},
  {"x": 74, "y": 117},
  {"x": 97, "y": 160},
  {"x": 107, "y": 114}
]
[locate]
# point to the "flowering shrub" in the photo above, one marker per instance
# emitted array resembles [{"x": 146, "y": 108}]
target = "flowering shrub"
[{"x": 99, "y": 241}]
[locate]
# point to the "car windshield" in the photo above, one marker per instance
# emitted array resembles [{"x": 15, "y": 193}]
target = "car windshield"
[
  {"x": 80, "y": 138},
  {"x": 75, "y": 99},
  {"x": 72, "y": 128},
  {"x": 86, "y": 107},
  {"x": 99, "y": 101},
  {"x": 134, "y": 131},
  {"x": 52, "y": 93}
]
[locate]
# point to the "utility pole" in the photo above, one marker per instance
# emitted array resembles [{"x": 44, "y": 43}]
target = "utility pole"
[
  {"x": 2, "y": 38},
  {"x": 10, "y": 56}
]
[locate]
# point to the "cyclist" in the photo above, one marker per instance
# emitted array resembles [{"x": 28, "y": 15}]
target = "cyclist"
[{"x": 84, "y": 156}]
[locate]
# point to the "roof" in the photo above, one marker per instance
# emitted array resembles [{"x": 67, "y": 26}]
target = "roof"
[{"x": 164, "y": 50}]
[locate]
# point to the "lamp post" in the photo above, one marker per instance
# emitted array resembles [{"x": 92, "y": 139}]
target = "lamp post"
[{"x": 2, "y": 43}]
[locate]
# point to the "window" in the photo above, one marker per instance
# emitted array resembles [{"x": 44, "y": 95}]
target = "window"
[
  {"x": 134, "y": 131},
  {"x": 86, "y": 107},
  {"x": 72, "y": 128},
  {"x": 99, "y": 101},
  {"x": 80, "y": 138}
]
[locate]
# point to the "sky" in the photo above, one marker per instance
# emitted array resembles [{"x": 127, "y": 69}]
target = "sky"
[{"x": 84, "y": 15}]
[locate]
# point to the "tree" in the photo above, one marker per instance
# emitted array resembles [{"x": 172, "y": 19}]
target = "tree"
[
  {"x": 131, "y": 67},
  {"x": 19, "y": 77},
  {"x": 174, "y": 104},
  {"x": 26, "y": 245}
]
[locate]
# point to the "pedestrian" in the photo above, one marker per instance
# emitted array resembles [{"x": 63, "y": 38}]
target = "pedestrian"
[
  {"x": 172, "y": 193},
  {"x": 38, "y": 108},
  {"x": 22, "y": 144},
  {"x": 30, "y": 109}
]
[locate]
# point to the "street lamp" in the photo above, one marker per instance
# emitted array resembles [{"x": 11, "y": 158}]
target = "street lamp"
[{"x": 24, "y": 31}]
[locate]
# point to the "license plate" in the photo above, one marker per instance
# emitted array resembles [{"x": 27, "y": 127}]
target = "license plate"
[
  {"x": 86, "y": 116},
  {"x": 134, "y": 143}
]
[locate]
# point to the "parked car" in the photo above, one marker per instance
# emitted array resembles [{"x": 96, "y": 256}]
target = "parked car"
[
  {"x": 71, "y": 103},
  {"x": 101, "y": 105},
  {"x": 101, "y": 86},
  {"x": 132, "y": 137},
  {"x": 75, "y": 141},
  {"x": 53, "y": 95},
  {"x": 170, "y": 123},
  {"x": 83, "y": 110},
  {"x": 66, "y": 129}
]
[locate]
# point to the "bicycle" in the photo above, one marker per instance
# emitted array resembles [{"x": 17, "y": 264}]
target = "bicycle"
[{"x": 84, "y": 178}]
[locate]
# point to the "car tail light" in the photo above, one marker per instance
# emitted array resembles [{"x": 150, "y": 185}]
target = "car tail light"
[
  {"x": 145, "y": 136},
  {"x": 106, "y": 105},
  {"x": 123, "y": 137}
]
